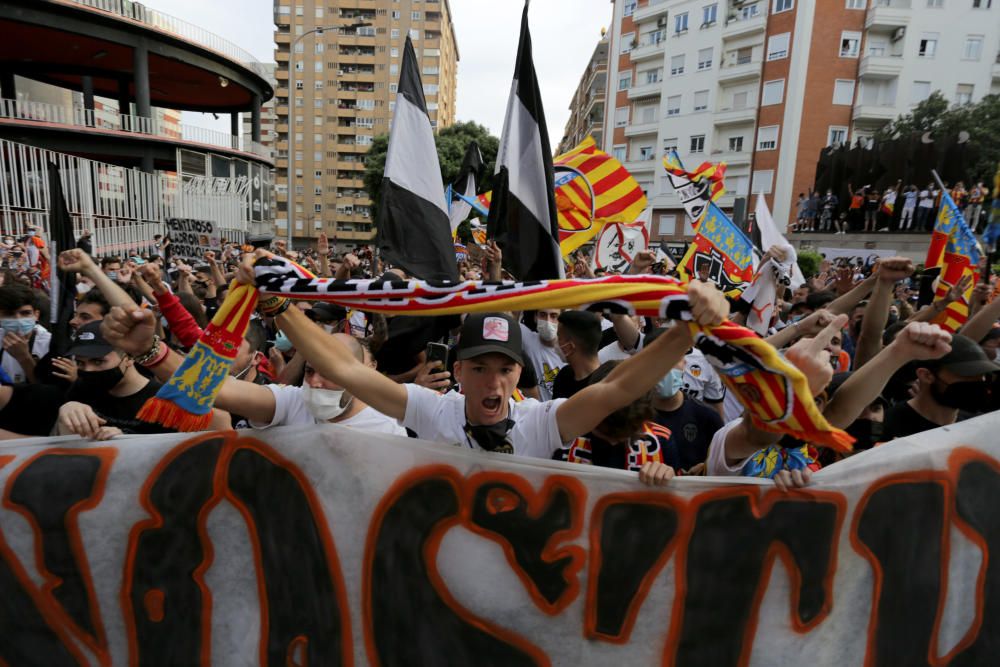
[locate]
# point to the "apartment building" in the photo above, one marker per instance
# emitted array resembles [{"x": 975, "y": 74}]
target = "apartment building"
[
  {"x": 345, "y": 76},
  {"x": 586, "y": 110},
  {"x": 764, "y": 85}
]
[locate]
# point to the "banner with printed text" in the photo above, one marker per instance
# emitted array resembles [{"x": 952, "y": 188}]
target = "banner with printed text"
[
  {"x": 191, "y": 239},
  {"x": 329, "y": 546}
]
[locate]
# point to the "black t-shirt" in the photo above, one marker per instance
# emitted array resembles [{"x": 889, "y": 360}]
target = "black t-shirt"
[
  {"x": 120, "y": 411},
  {"x": 239, "y": 421},
  {"x": 653, "y": 444},
  {"x": 566, "y": 384},
  {"x": 902, "y": 420},
  {"x": 691, "y": 427},
  {"x": 32, "y": 410}
]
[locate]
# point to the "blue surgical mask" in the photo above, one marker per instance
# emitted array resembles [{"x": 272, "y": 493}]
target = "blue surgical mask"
[
  {"x": 670, "y": 384},
  {"x": 282, "y": 343},
  {"x": 22, "y": 326},
  {"x": 113, "y": 275}
]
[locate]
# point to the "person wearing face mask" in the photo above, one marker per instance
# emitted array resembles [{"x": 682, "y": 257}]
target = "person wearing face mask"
[
  {"x": 24, "y": 340},
  {"x": 691, "y": 423},
  {"x": 542, "y": 351},
  {"x": 111, "y": 266},
  {"x": 948, "y": 390},
  {"x": 246, "y": 366},
  {"x": 579, "y": 339},
  {"x": 330, "y": 316}
]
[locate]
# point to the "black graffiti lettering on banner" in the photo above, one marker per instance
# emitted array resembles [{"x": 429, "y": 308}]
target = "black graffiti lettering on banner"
[
  {"x": 732, "y": 542},
  {"x": 178, "y": 226},
  {"x": 408, "y": 619},
  {"x": 306, "y": 620}
]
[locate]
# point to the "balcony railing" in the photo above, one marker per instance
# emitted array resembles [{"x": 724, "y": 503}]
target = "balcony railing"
[
  {"x": 172, "y": 25},
  {"x": 80, "y": 117}
]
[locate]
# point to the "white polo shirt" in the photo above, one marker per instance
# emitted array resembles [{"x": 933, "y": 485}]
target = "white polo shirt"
[{"x": 290, "y": 409}]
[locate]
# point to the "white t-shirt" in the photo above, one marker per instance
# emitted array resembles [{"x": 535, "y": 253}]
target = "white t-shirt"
[
  {"x": 441, "y": 418},
  {"x": 39, "y": 348},
  {"x": 543, "y": 358},
  {"x": 290, "y": 409},
  {"x": 716, "y": 464},
  {"x": 615, "y": 351},
  {"x": 701, "y": 382}
]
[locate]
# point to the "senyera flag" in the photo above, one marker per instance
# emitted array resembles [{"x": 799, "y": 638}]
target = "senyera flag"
[
  {"x": 955, "y": 251},
  {"x": 592, "y": 189},
  {"x": 696, "y": 189},
  {"x": 722, "y": 249}
]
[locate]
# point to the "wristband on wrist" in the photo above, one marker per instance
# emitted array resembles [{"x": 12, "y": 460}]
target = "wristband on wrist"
[
  {"x": 150, "y": 354},
  {"x": 273, "y": 306},
  {"x": 160, "y": 357}
]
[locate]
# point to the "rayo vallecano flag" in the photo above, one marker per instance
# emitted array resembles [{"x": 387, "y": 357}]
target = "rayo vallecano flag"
[
  {"x": 413, "y": 228},
  {"x": 523, "y": 216},
  {"x": 465, "y": 185}
]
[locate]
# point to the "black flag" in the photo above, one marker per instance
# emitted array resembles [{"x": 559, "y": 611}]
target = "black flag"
[
  {"x": 63, "y": 284},
  {"x": 523, "y": 216},
  {"x": 465, "y": 185},
  {"x": 413, "y": 228}
]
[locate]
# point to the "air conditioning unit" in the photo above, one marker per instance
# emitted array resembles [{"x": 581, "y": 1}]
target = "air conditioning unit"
[{"x": 899, "y": 33}]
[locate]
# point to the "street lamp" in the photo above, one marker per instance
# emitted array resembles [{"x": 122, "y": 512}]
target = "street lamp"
[{"x": 291, "y": 114}]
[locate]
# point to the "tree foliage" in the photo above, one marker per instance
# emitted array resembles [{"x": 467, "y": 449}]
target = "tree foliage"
[
  {"x": 809, "y": 262},
  {"x": 451, "y": 143},
  {"x": 981, "y": 120}
]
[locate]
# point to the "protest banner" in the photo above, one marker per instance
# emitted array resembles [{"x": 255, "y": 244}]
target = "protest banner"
[
  {"x": 191, "y": 239},
  {"x": 856, "y": 256},
  {"x": 324, "y": 545}
]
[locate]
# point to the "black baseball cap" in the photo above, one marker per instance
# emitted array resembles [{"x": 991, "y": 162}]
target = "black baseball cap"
[
  {"x": 483, "y": 333},
  {"x": 328, "y": 312},
  {"x": 966, "y": 359},
  {"x": 89, "y": 343}
]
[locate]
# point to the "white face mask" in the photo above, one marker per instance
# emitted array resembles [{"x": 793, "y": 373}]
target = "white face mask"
[
  {"x": 547, "y": 330},
  {"x": 324, "y": 404},
  {"x": 83, "y": 288}
]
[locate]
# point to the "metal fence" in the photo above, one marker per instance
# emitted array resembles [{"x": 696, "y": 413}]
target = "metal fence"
[{"x": 123, "y": 208}]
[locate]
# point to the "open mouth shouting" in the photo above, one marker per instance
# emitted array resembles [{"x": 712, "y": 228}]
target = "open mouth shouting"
[{"x": 492, "y": 404}]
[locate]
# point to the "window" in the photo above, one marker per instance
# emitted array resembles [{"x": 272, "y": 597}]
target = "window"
[
  {"x": 667, "y": 225},
  {"x": 298, "y": 11},
  {"x": 777, "y": 46},
  {"x": 621, "y": 116},
  {"x": 773, "y": 92},
  {"x": 705, "y": 59},
  {"x": 624, "y": 80},
  {"x": 674, "y": 105},
  {"x": 669, "y": 144},
  {"x": 618, "y": 153},
  {"x": 767, "y": 138},
  {"x": 701, "y": 100},
  {"x": 432, "y": 53},
  {"x": 395, "y": 15},
  {"x": 627, "y": 40},
  {"x": 963, "y": 93},
  {"x": 394, "y": 69},
  {"x": 300, "y": 47},
  {"x": 973, "y": 47},
  {"x": 414, "y": 34},
  {"x": 763, "y": 180},
  {"x": 299, "y": 85},
  {"x": 415, "y": 16},
  {"x": 393, "y": 87},
  {"x": 982, "y": 4},
  {"x": 318, "y": 66},
  {"x": 850, "y": 44},
  {"x": 653, "y": 75},
  {"x": 394, "y": 33},
  {"x": 646, "y": 153},
  {"x": 629, "y": 7},
  {"x": 681, "y": 22},
  {"x": 928, "y": 45},
  {"x": 430, "y": 89},
  {"x": 921, "y": 91},
  {"x": 783, "y": 5},
  {"x": 741, "y": 100},
  {"x": 319, "y": 12},
  {"x": 735, "y": 144},
  {"x": 748, "y": 12},
  {"x": 843, "y": 92},
  {"x": 394, "y": 52},
  {"x": 744, "y": 55},
  {"x": 318, "y": 48},
  {"x": 876, "y": 46},
  {"x": 856, "y": 4},
  {"x": 318, "y": 85},
  {"x": 677, "y": 65},
  {"x": 937, "y": 4},
  {"x": 647, "y": 114},
  {"x": 431, "y": 71},
  {"x": 709, "y": 14},
  {"x": 697, "y": 143},
  {"x": 836, "y": 136}
]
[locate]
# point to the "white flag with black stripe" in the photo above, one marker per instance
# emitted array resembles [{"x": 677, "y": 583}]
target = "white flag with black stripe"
[
  {"x": 523, "y": 217},
  {"x": 413, "y": 227}
]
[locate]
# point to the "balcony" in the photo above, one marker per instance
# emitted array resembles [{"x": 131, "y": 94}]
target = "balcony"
[
  {"x": 734, "y": 73},
  {"x": 731, "y": 158},
  {"x": 880, "y": 67},
  {"x": 729, "y": 116},
  {"x": 876, "y": 112},
  {"x": 897, "y": 15},
  {"x": 642, "y": 129},
  {"x": 645, "y": 90},
  {"x": 642, "y": 166},
  {"x": 648, "y": 51},
  {"x": 654, "y": 10},
  {"x": 740, "y": 26}
]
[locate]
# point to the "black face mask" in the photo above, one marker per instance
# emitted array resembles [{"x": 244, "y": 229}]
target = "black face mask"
[
  {"x": 101, "y": 381},
  {"x": 866, "y": 433},
  {"x": 970, "y": 396},
  {"x": 492, "y": 437}
]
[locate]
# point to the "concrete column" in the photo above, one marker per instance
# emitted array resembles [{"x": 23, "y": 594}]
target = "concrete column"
[
  {"x": 255, "y": 118},
  {"x": 141, "y": 78}
]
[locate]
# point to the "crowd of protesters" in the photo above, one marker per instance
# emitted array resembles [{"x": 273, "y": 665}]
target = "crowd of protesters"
[
  {"x": 609, "y": 390},
  {"x": 901, "y": 208}
]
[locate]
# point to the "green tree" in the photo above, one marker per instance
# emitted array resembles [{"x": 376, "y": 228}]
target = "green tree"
[
  {"x": 925, "y": 117},
  {"x": 809, "y": 262},
  {"x": 451, "y": 143}
]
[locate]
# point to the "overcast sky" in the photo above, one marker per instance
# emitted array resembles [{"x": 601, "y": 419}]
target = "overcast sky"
[{"x": 564, "y": 33}]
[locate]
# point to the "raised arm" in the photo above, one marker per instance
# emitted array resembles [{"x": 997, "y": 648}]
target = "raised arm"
[
  {"x": 80, "y": 262},
  {"x": 890, "y": 271},
  {"x": 637, "y": 375},
  {"x": 980, "y": 324},
  {"x": 846, "y": 303}
]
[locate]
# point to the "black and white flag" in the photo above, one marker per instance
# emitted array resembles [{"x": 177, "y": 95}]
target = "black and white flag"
[
  {"x": 413, "y": 228},
  {"x": 523, "y": 216},
  {"x": 465, "y": 185}
]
